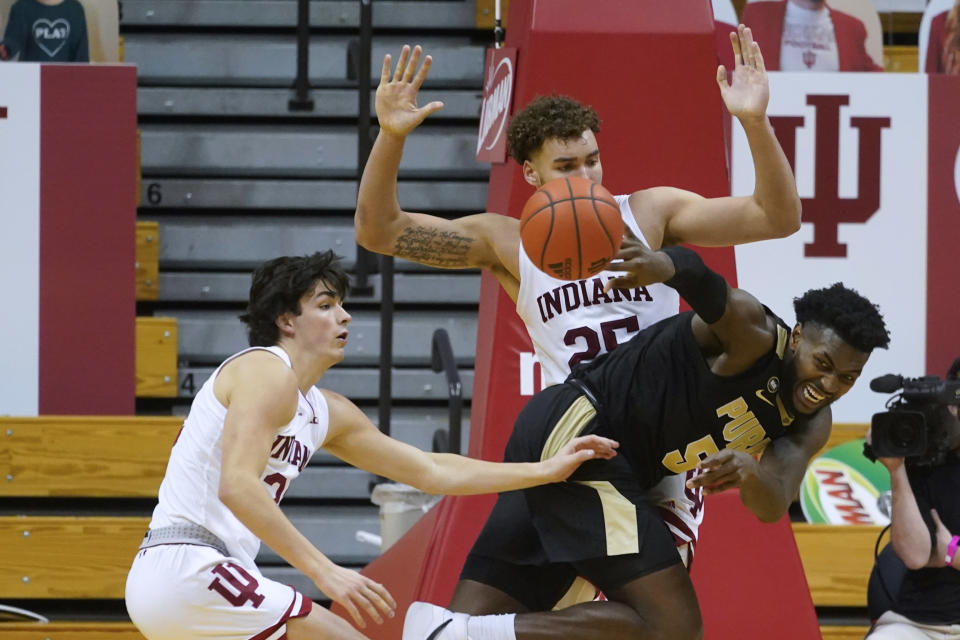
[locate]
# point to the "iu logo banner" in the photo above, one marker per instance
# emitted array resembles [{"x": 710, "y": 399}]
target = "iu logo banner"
[
  {"x": 495, "y": 110},
  {"x": 858, "y": 146}
]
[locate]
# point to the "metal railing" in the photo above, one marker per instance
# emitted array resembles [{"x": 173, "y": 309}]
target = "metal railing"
[{"x": 442, "y": 359}]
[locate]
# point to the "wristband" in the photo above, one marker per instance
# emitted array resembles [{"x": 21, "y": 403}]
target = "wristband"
[
  {"x": 951, "y": 551},
  {"x": 705, "y": 290}
]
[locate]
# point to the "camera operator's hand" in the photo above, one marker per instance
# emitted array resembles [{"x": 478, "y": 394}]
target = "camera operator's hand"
[{"x": 892, "y": 464}]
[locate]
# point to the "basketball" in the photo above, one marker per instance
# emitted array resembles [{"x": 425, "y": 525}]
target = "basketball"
[{"x": 571, "y": 228}]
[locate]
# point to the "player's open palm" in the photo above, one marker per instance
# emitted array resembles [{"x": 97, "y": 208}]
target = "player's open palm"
[
  {"x": 358, "y": 594},
  {"x": 746, "y": 96},
  {"x": 396, "y": 102},
  {"x": 576, "y": 452}
]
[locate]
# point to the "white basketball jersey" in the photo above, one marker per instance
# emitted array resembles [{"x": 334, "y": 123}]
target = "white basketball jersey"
[
  {"x": 188, "y": 493},
  {"x": 574, "y": 321}
]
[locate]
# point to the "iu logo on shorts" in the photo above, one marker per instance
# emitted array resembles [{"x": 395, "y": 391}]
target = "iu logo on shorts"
[
  {"x": 236, "y": 585},
  {"x": 826, "y": 209}
]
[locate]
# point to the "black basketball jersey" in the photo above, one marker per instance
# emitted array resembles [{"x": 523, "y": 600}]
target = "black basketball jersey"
[{"x": 660, "y": 400}]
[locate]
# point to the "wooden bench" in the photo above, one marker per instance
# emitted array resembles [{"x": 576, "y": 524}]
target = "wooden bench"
[
  {"x": 148, "y": 260},
  {"x": 69, "y": 631},
  {"x": 157, "y": 345},
  {"x": 64, "y": 456},
  {"x": 68, "y": 557}
]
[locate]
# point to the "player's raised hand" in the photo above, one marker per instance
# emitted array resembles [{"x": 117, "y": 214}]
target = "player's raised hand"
[
  {"x": 357, "y": 594},
  {"x": 576, "y": 452},
  {"x": 747, "y": 95},
  {"x": 641, "y": 264},
  {"x": 396, "y": 100}
]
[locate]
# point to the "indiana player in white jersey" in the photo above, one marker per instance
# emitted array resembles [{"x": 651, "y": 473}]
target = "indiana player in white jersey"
[
  {"x": 251, "y": 430},
  {"x": 554, "y": 137}
]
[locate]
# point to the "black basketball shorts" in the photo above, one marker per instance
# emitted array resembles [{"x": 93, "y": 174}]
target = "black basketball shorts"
[{"x": 597, "y": 524}]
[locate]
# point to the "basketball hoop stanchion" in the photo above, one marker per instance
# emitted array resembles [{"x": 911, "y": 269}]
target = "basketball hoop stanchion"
[{"x": 497, "y": 26}]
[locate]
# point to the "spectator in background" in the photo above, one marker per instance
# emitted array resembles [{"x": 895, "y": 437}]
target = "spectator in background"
[
  {"x": 808, "y": 35},
  {"x": 46, "y": 31},
  {"x": 943, "y": 51}
]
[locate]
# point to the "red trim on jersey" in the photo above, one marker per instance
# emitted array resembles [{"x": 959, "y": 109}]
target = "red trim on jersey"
[{"x": 303, "y": 608}]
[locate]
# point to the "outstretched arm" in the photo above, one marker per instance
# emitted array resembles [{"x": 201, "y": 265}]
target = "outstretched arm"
[
  {"x": 730, "y": 325},
  {"x": 482, "y": 240},
  {"x": 773, "y": 210},
  {"x": 356, "y": 441}
]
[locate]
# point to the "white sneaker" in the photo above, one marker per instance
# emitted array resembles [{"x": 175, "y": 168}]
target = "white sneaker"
[{"x": 425, "y": 621}]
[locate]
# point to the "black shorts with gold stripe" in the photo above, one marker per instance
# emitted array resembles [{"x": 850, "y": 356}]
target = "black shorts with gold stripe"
[{"x": 597, "y": 524}]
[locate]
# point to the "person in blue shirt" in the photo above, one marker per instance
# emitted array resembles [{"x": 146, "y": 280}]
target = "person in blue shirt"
[{"x": 46, "y": 31}]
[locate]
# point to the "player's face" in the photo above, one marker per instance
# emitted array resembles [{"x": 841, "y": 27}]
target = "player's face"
[
  {"x": 322, "y": 323},
  {"x": 823, "y": 367},
  {"x": 562, "y": 158}
]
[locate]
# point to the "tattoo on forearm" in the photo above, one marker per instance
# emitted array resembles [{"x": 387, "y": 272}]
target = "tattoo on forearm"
[{"x": 431, "y": 246}]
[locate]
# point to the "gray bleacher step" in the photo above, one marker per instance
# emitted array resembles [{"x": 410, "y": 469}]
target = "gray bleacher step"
[
  {"x": 269, "y": 60},
  {"x": 253, "y": 102},
  {"x": 358, "y": 384},
  {"x": 211, "y": 336},
  {"x": 413, "y": 425},
  {"x": 449, "y": 288},
  {"x": 333, "y": 530},
  {"x": 451, "y": 14},
  {"x": 331, "y": 482},
  {"x": 321, "y": 195},
  {"x": 298, "y": 150},
  {"x": 243, "y": 243}
]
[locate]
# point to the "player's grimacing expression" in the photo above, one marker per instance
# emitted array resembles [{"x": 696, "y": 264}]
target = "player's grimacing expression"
[
  {"x": 559, "y": 158},
  {"x": 822, "y": 368}
]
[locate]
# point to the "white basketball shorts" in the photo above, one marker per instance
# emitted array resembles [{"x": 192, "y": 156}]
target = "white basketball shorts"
[{"x": 182, "y": 592}]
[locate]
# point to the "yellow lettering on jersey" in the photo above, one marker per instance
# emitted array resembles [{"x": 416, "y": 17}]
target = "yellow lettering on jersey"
[
  {"x": 743, "y": 431},
  {"x": 695, "y": 452},
  {"x": 733, "y": 409}
]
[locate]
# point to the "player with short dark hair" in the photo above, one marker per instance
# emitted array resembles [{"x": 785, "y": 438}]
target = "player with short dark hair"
[
  {"x": 711, "y": 389},
  {"x": 251, "y": 430}
]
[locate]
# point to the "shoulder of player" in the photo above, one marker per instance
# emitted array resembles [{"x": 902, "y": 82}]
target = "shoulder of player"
[
  {"x": 811, "y": 432},
  {"x": 654, "y": 207},
  {"x": 340, "y": 406},
  {"x": 258, "y": 370}
]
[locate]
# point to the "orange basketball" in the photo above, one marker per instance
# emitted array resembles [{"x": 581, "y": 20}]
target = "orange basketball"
[{"x": 571, "y": 228}]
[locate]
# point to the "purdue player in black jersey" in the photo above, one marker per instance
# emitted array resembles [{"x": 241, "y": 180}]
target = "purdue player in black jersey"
[{"x": 707, "y": 389}]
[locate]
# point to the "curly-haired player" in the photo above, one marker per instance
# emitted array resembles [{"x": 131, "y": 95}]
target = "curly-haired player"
[{"x": 708, "y": 389}]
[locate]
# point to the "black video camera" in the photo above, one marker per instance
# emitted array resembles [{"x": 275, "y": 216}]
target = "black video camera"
[{"x": 915, "y": 424}]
